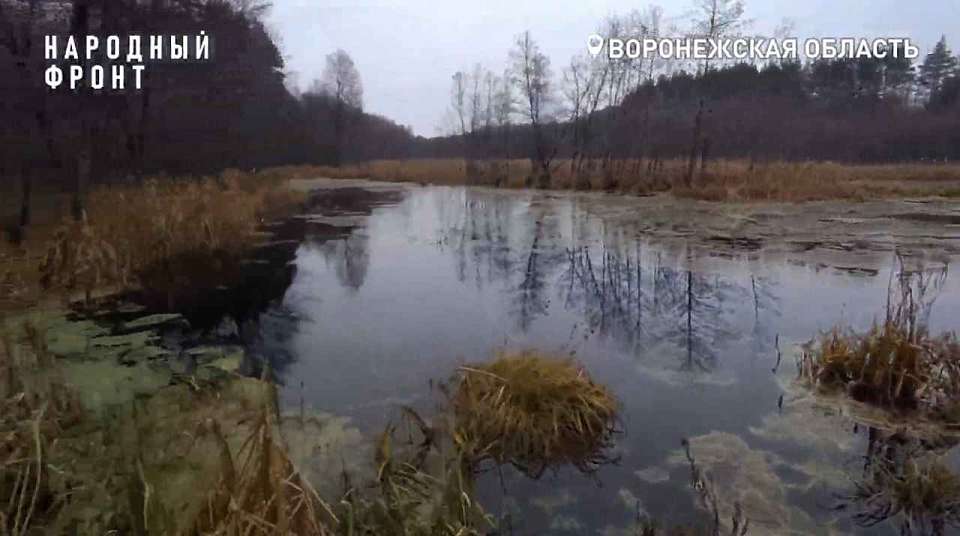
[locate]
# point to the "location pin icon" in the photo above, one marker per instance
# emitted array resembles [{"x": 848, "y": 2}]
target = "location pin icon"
[{"x": 594, "y": 44}]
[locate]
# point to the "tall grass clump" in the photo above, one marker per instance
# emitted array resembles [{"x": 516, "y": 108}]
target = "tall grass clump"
[
  {"x": 164, "y": 229},
  {"x": 35, "y": 407},
  {"x": 534, "y": 412},
  {"x": 261, "y": 492},
  {"x": 896, "y": 363},
  {"x": 923, "y": 493},
  {"x": 421, "y": 488}
]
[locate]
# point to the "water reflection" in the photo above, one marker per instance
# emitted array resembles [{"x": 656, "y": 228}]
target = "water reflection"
[
  {"x": 906, "y": 481},
  {"x": 602, "y": 276},
  {"x": 690, "y": 310},
  {"x": 349, "y": 256},
  {"x": 440, "y": 276},
  {"x": 529, "y": 300}
]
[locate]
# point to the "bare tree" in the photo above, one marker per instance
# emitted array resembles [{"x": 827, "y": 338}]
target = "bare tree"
[
  {"x": 473, "y": 106},
  {"x": 530, "y": 70},
  {"x": 341, "y": 81},
  {"x": 716, "y": 18},
  {"x": 713, "y": 19},
  {"x": 583, "y": 85},
  {"x": 465, "y": 102},
  {"x": 253, "y": 9},
  {"x": 17, "y": 36},
  {"x": 491, "y": 83},
  {"x": 458, "y": 96},
  {"x": 503, "y": 106},
  {"x": 476, "y": 99},
  {"x": 503, "y": 101},
  {"x": 79, "y": 28}
]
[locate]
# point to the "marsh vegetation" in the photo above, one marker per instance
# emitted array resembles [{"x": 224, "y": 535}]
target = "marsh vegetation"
[
  {"x": 614, "y": 317},
  {"x": 161, "y": 237},
  {"x": 533, "y": 412},
  {"x": 209, "y": 457},
  {"x": 725, "y": 180},
  {"x": 897, "y": 363}
]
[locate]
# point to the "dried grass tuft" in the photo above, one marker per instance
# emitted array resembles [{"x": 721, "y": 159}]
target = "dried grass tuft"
[
  {"x": 534, "y": 412},
  {"x": 262, "y": 493},
  {"x": 894, "y": 364},
  {"x": 922, "y": 492}
]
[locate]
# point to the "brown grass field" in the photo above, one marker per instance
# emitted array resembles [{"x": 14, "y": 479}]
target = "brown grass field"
[{"x": 723, "y": 180}]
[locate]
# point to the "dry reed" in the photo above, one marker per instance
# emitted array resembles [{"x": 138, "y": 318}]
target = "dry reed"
[
  {"x": 923, "y": 492},
  {"x": 534, "y": 412},
  {"x": 144, "y": 230},
  {"x": 723, "y": 180},
  {"x": 897, "y": 363}
]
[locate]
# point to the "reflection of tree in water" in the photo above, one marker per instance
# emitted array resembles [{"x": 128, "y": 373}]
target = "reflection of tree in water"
[
  {"x": 906, "y": 481},
  {"x": 350, "y": 257},
  {"x": 486, "y": 239},
  {"x": 618, "y": 290},
  {"x": 481, "y": 237},
  {"x": 766, "y": 308},
  {"x": 530, "y": 302},
  {"x": 619, "y": 296}
]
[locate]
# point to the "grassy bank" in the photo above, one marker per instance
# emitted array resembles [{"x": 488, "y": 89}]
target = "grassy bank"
[
  {"x": 212, "y": 453},
  {"x": 152, "y": 233},
  {"x": 722, "y": 180}
]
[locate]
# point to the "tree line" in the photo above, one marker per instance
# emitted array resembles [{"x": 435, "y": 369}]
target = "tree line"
[
  {"x": 190, "y": 118},
  {"x": 597, "y": 111}
]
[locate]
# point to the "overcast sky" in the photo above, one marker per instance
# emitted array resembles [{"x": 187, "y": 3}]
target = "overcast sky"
[{"x": 407, "y": 50}]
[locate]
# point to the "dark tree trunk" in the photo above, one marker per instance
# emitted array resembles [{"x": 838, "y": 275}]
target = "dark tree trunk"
[
  {"x": 82, "y": 175},
  {"x": 79, "y": 28},
  {"x": 694, "y": 146},
  {"x": 26, "y": 189},
  {"x": 704, "y": 155},
  {"x": 141, "y": 135}
]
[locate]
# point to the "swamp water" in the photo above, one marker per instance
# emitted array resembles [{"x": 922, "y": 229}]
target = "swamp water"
[{"x": 697, "y": 343}]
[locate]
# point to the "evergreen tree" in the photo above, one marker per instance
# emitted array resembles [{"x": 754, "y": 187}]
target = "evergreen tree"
[{"x": 937, "y": 67}]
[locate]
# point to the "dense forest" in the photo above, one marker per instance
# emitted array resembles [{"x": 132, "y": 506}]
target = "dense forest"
[
  {"x": 847, "y": 109},
  {"x": 236, "y": 110},
  {"x": 826, "y": 110},
  {"x": 189, "y": 117}
]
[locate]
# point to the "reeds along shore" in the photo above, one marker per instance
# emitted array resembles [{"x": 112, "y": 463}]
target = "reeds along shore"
[
  {"x": 719, "y": 180},
  {"x": 897, "y": 363},
  {"x": 211, "y": 459},
  {"x": 159, "y": 229}
]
